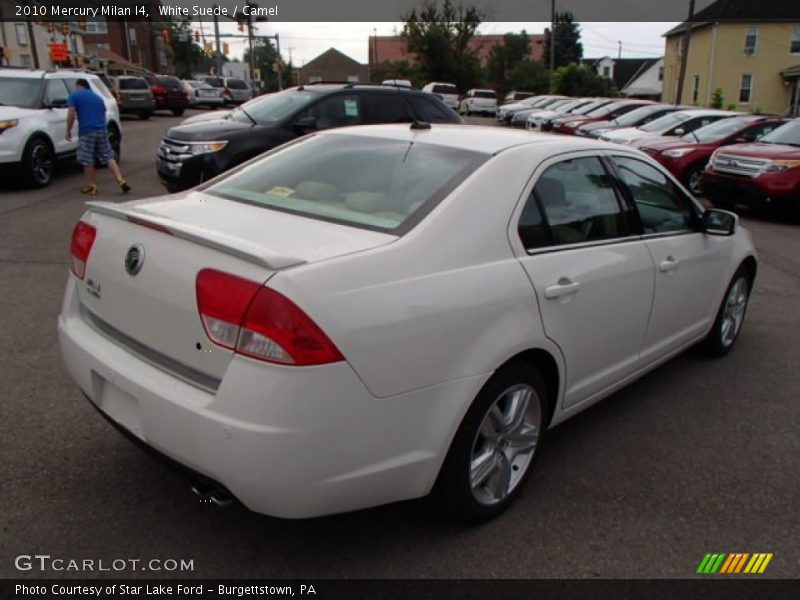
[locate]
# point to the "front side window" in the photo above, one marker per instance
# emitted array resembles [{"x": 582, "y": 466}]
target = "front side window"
[
  {"x": 661, "y": 206},
  {"x": 55, "y": 90},
  {"x": 750, "y": 40},
  {"x": 360, "y": 181},
  {"x": 334, "y": 111},
  {"x": 746, "y": 89},
  {"x": 573, "y": 201}
]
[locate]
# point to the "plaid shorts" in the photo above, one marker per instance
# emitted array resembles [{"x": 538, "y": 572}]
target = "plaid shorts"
[{"x": 93, "y": 147}]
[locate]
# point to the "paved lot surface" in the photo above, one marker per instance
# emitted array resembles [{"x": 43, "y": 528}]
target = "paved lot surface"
[{"x": 699, "y": 456}]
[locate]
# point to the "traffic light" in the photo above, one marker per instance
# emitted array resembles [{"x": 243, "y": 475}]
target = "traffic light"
[
  {"x": 196, "y": 35},
  {"x": 165, "y": 35},
  {"x": 225, "y": 48}
]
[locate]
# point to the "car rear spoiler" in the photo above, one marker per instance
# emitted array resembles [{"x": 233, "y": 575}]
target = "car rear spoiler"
[{"x": 226, "y": 244}]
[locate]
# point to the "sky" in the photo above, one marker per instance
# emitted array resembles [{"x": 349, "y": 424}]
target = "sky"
[{"x": 301, "y": 42}]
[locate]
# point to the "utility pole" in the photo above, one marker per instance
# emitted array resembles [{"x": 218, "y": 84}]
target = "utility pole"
[
  {"x": 280, "y": 69},
  {"x": 552, "y": 43},
  {"x": 619, "y": 52},
  {"x": 687, "y": 37},
  {"x": 218, "y": 62}
]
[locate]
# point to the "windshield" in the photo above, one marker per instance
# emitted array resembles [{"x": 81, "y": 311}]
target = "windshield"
[
  {"x": 638, "y": 116},
  {"x": 323, "y": 177},
  {"x": 273, "y": 107},
  {"x": 606, "y": 109},
  {"x": 717, "y": 131},
  {"x": 788, "y": 133},
  {"x": 589, "y": 107},
  {"x": 665, "y": 122},
  {"x": 20, "y": 91},
  {"x": 568, "y": 105}
]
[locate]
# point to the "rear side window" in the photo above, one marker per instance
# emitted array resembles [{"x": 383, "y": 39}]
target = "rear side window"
[
  {"x": 132, "y": 84},
  {"x": 335, "y": 111},
  {"x": 429, "y": 111},
  {"x": 387, "y": 108},
  {"x": 661, "y": 205},
  {"x": 573, "y": 201}
]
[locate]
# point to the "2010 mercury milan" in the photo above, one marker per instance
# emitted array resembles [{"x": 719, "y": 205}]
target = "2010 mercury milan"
[{"x": 373, "y": 314}]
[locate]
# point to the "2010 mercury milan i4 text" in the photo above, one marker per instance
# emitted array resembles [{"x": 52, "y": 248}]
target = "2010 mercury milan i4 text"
[{"x": 372, "y": 314}]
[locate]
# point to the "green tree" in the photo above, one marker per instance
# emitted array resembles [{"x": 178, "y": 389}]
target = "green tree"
[
  {"x": 717, "y": 99},
  {"x": 183, "y": 53},
  {"x": 575, "y": 80},
  {"x": 503, "y": 58},
  {"x": 569, "y": 48},
  {"x": 400, "y": 69},
  {"x": 530, "y": 76},
  {"x": 441, "y": 40},
  {"x": 265, "y": 59}
]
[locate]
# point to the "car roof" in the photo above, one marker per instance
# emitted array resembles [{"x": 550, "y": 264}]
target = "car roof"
[
  {"x": 323, "y": 88},
  {"x": 704, "y": 112},
  {"x": 39, "y": 73},
  {"x": 476, "y": 138}
]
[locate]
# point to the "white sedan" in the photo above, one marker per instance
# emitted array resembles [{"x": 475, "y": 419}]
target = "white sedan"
[{"x": 372, "y": 314}]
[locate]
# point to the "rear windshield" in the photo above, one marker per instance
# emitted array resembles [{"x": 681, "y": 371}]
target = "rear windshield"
[
  {"x": 132, "y": 84},
  {"x": 19, "y": 91},
  {"x": 170, "y": 83},
  {"x": 484, "y": 94},
  {"x": 214, "y": 82},
  {"x": 444, "y": 88},
  {"x": 785, "y": 134},
  {"x": 237, "y": 84},
  {"x": 323, "y": 177}
]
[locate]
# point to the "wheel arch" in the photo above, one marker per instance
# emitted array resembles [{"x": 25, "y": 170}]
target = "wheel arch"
[
  {"x": 38, "y": 135},
  {"x": 751, "y": 265},
  {"x": 549, "y": 368}
]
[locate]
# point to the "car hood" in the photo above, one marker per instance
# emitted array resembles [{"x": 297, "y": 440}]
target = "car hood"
[
  {"x": 514, "y": 106},
  {"x": 625, "y": 133},
  {"x": 660, "y": 144},
  {"x": 595, "y": 125},
  {"x": 762, "y": 150},
  {"x": 209, "y": 116},
  {"x": 548, "y": 114},
  {"x": 212, "y": 129},
  {"x": 16, "y": 112}
]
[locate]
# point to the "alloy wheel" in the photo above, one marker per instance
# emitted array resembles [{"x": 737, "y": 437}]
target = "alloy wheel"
[{"x": 733, "y": 313}]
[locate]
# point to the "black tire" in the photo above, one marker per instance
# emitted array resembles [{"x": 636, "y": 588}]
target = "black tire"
[
  {"x": 39, "y": 162},
  {"x": 454, "y": 490},
  {"x": 691, "y": 178},
  {"x": 177, "y": 111},
  {"x": 145, "y": 114},
  {"x": 719, "y": 342}
]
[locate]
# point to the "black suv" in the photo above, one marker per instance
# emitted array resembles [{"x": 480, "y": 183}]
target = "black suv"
[{"x": 195, "y": 151}]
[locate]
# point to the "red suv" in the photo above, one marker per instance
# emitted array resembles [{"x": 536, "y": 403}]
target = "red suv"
[
  {"x": 687, "y": 156},
  {"x": 168, "y": 93},
  {"x": 765, "y": 174}
]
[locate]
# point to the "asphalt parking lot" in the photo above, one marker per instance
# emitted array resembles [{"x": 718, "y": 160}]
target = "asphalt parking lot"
[{"x": 699, "y": 456}]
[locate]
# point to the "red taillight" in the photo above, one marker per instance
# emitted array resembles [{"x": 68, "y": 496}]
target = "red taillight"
[
  {"x": 81, "y": 245},
  {"x": 158, "y": 90},
  {"x": 259, "y": 322}
]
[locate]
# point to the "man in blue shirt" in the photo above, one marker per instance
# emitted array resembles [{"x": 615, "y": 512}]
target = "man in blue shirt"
[{"x": 93, "y": 146}]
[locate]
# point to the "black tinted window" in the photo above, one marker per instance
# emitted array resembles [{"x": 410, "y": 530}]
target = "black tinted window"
[
  {"x": 237, "y": 84},
  {"x": 445, "y": 89},
  {"x": 132, "y": 84},
  {"x": 661, "y": 205},
  {"x": 579, "y": 204},
  {"x": 214, "y": 81},
  {"x": 387, "y": 108},
  {"x": 429, "y": 111},
  {"x": 482, "y": 94}
]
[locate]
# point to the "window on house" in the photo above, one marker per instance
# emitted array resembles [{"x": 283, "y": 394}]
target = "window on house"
[
  {"x": 97, "y": 27},
  {"x": 22, "y": 34},
  {"x": 26, "y": 61},
  {"x": 750, "y": 40},
  {"x": 746, "y": 89},
  {"x": 695, "y": 88},
  {"x": 661, "y": 73},
  {"x": 607, "y": 72},
  {"x": 132, "y": 35},
  {"x": 795, "y": 46}
]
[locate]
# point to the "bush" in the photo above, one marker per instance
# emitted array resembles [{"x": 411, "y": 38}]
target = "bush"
[
  {"x": 577, "y": 81},
  {"x": 717, "y": 99}
]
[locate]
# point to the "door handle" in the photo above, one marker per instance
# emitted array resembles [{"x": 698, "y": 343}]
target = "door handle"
[
  {"x": 564, "y": 287},
  {"x": 668, "y": 264}
]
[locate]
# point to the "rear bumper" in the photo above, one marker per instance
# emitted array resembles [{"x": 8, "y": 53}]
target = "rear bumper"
[{"x": 288, "y": 442}]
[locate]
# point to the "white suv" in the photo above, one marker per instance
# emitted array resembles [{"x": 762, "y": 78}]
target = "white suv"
[
  {"x": 33, "y": 119},
  {"x": 446, "y": 91},
  {"x": 478, "y": 101}
]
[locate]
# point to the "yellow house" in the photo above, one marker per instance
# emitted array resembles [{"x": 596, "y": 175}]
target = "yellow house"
[{"x": 756, "y": 65}]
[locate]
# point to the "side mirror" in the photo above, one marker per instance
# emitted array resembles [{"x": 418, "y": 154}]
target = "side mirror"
[
  {"x": 719, "y": 222},
  {"x": 57, "y": 103},
  {"x": 680, "y": 131},
  {"x": 304, "y": 125}
]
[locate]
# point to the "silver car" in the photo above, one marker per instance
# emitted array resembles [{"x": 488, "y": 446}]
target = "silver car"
[
  {"x": 237, "y": 90},
  {"x": 202, "y": 94}
]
